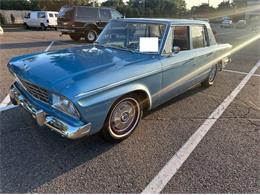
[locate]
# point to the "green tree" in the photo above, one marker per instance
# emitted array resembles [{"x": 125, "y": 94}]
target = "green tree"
[
  {"x": 224, "y": 5},
  {"x": 14, "y": 4},
  {"x": 203, "y": 9}
]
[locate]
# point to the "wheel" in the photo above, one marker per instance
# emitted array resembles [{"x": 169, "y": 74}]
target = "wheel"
[
  {"x": 43, "y": 27},
  {"x": 26, "y": 26},
  {"x": 212, "y": 76},
  {"x": 75, "y": 37},
  {"x": 122, "y": 118},
  {"x": 91, "y": 36}
]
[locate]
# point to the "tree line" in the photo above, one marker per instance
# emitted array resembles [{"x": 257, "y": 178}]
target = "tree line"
[{"x": 133, "y": 8}]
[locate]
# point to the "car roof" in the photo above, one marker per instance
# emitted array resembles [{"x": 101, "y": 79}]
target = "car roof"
[
  {"x": 164, "y": 21},
  {"x": 82, "y": 6},
  {"x": 44, "y": 11}
]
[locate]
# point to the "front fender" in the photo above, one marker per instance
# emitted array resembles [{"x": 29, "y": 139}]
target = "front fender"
[
  {"x": 95, "y": 108},
  {"x": 114, "y": 93}
]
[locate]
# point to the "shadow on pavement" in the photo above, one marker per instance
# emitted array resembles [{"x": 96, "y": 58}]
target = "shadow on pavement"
[{"x": 32, "y": 156}]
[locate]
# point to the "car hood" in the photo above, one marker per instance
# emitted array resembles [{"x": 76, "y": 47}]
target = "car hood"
[{"x": 62, "y": 69}]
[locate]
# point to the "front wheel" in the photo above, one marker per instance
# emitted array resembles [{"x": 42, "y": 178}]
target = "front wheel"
[
  {"x": 26, "y": 26},
  {"x": 123, "y": 118},
  {"x": 211, "y": 78}
]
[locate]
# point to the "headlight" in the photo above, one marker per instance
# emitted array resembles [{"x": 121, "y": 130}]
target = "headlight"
[{"x": 63, "y": 104}]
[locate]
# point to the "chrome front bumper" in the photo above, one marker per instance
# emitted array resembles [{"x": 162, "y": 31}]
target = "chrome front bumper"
[{"x": 42, "y": 118}]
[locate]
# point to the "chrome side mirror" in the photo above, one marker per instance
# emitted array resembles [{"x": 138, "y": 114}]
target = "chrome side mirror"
[{"x": 176, "y": 49}]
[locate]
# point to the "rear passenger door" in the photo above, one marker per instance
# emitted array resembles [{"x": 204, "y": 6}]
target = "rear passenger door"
[{"x": 203, "y": 51}]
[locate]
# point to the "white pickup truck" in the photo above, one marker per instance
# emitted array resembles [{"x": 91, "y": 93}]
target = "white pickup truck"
[{"x": 41, "y": 19}]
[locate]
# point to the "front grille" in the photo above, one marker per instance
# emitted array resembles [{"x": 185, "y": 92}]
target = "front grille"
[{"x": 35, "y": 91}]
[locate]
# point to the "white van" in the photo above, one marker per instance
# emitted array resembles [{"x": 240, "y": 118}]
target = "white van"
[{"x": 41, "y": 19}]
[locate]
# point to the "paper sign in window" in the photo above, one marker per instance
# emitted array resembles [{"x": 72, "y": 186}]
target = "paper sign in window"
[{"x": 149, "y": 44}]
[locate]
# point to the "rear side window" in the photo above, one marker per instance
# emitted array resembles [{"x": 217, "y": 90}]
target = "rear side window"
[
  {"x": 116, "y": 14},
  {"x": 56, "y": 15},
  {"x": 181, "y": 37},
  {"x": 66, "y": 12},
  {"x": 105, "y": 14},
  {"x": 50, "y": 15},
  {"x": 199, "y": 38},
  {"x": 41, "y": 14},
  {"x": 83, "y": 12}
]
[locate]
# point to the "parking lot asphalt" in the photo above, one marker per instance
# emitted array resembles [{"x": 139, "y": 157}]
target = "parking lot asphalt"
[{"x": 35, "y": 159}]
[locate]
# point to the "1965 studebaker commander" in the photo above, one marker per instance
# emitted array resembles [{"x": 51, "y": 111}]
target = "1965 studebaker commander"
[{"x": 107, "y": 86}]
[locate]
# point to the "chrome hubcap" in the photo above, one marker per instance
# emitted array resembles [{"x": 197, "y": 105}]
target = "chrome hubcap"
[
  {"x": 91, "y": 36},
  {"x": 124, "y": 117}
]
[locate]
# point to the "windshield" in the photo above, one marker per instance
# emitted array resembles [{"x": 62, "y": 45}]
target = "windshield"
[{"x": 126, "y": 35}]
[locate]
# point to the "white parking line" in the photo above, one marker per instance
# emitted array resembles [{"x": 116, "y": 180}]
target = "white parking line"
[
  {"x": 238, "y": 72},
  {"x": 48, "y": 48},
  {"x": 5, "y": 101},
  {"x": 7, "y": 107},
  {"x": 173, "y": 165}
]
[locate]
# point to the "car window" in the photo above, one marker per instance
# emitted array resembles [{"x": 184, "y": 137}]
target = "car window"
[
  {"x": 199, "y": 38},
  {"x": 83, "y": 12},
  {"x": 116, "y": 14},
  {"x": 105, "y": 14},
  {"x": 41, "y": 14},
  {"x": 28, "y": 16},
  {"x": 181, "y": 37},
  {"x": 56, "y": 15},
  {"x": 50, "y": 15}
]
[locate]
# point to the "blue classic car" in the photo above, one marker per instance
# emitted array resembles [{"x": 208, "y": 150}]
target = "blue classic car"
[{"x": 135, "y": 65}]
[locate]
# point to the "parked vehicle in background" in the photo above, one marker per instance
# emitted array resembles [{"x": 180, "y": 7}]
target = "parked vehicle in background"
[
  {"x": 1, "y": 30},
  {"x": 241, "y": 24},
  {"x": 83, "y": 21},
  {"x": 107, "y": 85},
  {"x": 226, "y": 24},
  {"x": 41, "y": 19}
]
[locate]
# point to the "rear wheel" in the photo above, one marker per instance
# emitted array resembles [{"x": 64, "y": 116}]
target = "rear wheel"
[
  {"x": 123, "y": 118},
  {"x": 211, "y": 78},
  {"x": 75, "y": 37},
  {"x": 43, "y": 27},
  {"x": 91, "y": 36}
]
